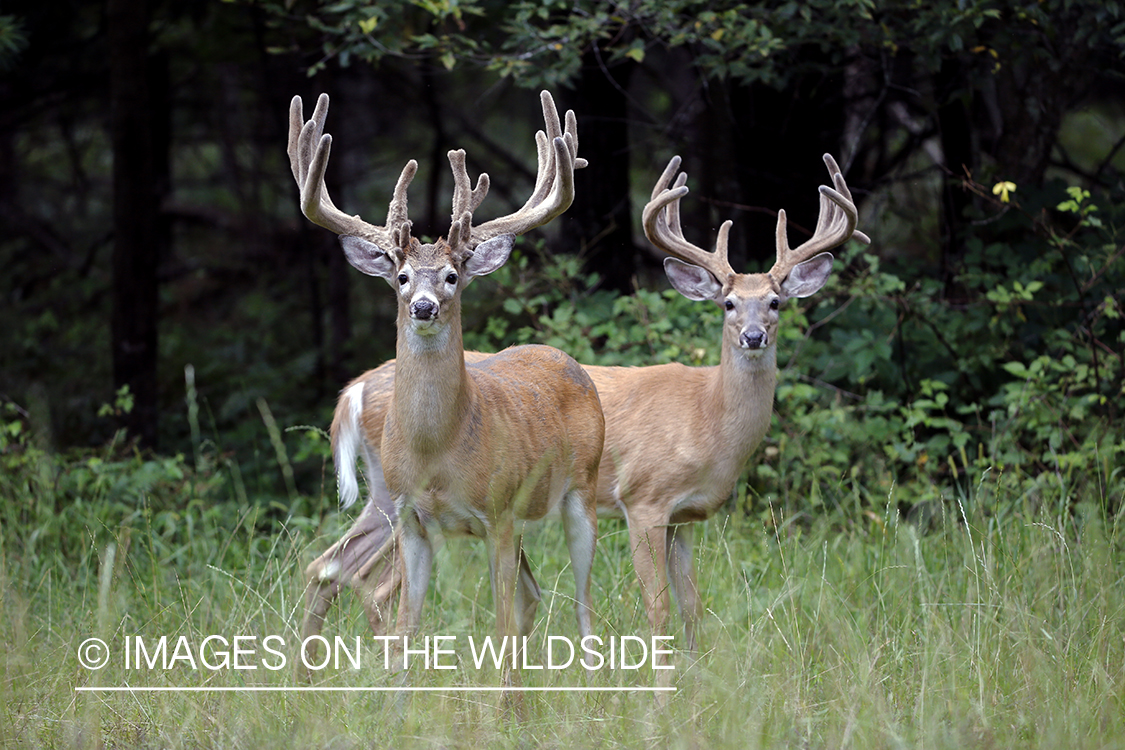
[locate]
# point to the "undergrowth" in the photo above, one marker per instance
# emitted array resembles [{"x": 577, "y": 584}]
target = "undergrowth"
[{"x": 972, "y": 630}]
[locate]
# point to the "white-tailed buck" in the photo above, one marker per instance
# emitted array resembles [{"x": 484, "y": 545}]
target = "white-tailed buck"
[
  {"x": 483, "y": 449},
  {"x": 677, "y": 438}
]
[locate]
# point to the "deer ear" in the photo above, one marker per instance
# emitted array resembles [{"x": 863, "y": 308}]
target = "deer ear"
[
  {"x": 693, "y": 282},
  {"x": 368, "y": 257},
  {"x": 489, "y": 255},
  {"x": 808, "y": 277}
]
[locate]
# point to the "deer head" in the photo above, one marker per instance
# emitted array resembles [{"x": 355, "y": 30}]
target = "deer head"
[
  {"x": 751, "y": 302},
  {"x": 428, "y": 278}
]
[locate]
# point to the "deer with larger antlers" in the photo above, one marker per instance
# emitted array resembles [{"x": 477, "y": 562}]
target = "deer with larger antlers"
[
  {"x": 677, "y": 437},
  {"x": 483, "y": 448}
]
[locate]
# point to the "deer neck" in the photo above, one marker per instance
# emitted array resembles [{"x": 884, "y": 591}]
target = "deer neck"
[
  {"x": 742, "y": 391},
  {"x": 432, "y": 390}
]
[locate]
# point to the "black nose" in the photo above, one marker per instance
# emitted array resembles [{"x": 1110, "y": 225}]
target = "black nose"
[
  {"x": 423, "y": 309},
  {"x": 753, "y": 339}
]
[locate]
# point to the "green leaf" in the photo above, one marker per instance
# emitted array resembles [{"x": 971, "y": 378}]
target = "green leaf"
[{"x": 1019, "y": 369}]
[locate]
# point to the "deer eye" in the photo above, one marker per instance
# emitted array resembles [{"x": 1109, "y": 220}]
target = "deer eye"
[
  {"x": 451, "y": 279},
  {"x": 774, "y": 304},
  {"x": 729, "y": 304},
  {"x": 402, "y": 279}
]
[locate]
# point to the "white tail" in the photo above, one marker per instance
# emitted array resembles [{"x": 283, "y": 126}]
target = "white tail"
[
  {"x": 481, "y": 450},
  {"x": 677, "y": 438}
]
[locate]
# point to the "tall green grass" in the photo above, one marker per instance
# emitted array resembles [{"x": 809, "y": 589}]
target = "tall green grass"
[{"x": 979, "y": 629}]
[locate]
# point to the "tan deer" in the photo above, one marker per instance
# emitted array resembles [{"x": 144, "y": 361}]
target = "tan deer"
[
  {"x": 677, "y": 437},
  {"x": 482, "y": 449}
]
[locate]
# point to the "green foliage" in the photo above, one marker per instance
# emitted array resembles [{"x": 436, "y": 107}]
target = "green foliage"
[
  {"x": 371, "y": 31},
  {"x": 545, "y": 41},
  {"x": 60, "y": 508},
  {"x": 1016, "y": 370},
  {"x": 541, "y": 44},
  {"x": 123, "y": 403},
  {"x": 545, "y": 301},
  {"x": 13, "y": 40}
]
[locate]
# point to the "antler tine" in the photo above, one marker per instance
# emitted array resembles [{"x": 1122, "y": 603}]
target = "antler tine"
[
  {"x": 398, "y": 221},
  {"x": 546, "y": 169},
  {"x": 570, "y": 135},
  {"x": 553, "y": 193},
  {"x": 673, "y": 211},
  {"x": 835, "y": 224},
  {"x": 296, "y": 123},
  {"x": 666, "y": 177},
  {"x": 309, "y": 148},
  {"x": 459, "y": 235},
  {"x": 661, "y": 220},
  {"x": 842, "y": 188},
  {"x": 464, "y": 198}
]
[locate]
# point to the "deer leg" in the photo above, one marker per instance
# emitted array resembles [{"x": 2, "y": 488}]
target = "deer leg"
[
  {"x": 681, "y": 579},
  {"x": 580, "y": 526},
  {"x": 503, "y": 568},
  {"x": 528, "y": 595},
  {"x": 417, "y": 560},
  {"x": 345, "y": 563},
  {"x": 647, "y": 532},
  {"x": 378, "y": 590},
  {"x": 648, "y": 538}
]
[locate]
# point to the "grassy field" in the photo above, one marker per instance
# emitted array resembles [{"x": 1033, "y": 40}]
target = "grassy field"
[{"x": 982, "y": 629}]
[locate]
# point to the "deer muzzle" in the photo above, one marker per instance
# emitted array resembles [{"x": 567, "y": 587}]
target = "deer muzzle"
[
  {"x": 423, "y": 309},
  {"x": 753, "y": 340}
]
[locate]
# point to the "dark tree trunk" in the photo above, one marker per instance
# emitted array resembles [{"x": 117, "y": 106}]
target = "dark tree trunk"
[
  {"x": 957, "y": 150},
  {"x": 600, "y": 222},
  {"x": 1032, "y": 104},
  {"x": 136, "y": 135},
  {"x": 779, "y": 137}
]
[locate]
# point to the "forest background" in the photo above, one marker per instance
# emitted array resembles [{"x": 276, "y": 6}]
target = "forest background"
[
  {"x": 151, "y": 221},
  {"x": 174, "y": 333}
]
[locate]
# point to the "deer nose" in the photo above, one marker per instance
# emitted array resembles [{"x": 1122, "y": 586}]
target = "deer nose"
[
  {"x": 753, "y": 339},
  {"x": 423, "y": 309}
]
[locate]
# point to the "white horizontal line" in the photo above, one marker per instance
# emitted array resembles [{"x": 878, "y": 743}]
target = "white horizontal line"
[{"x": 298, "y": 689}]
